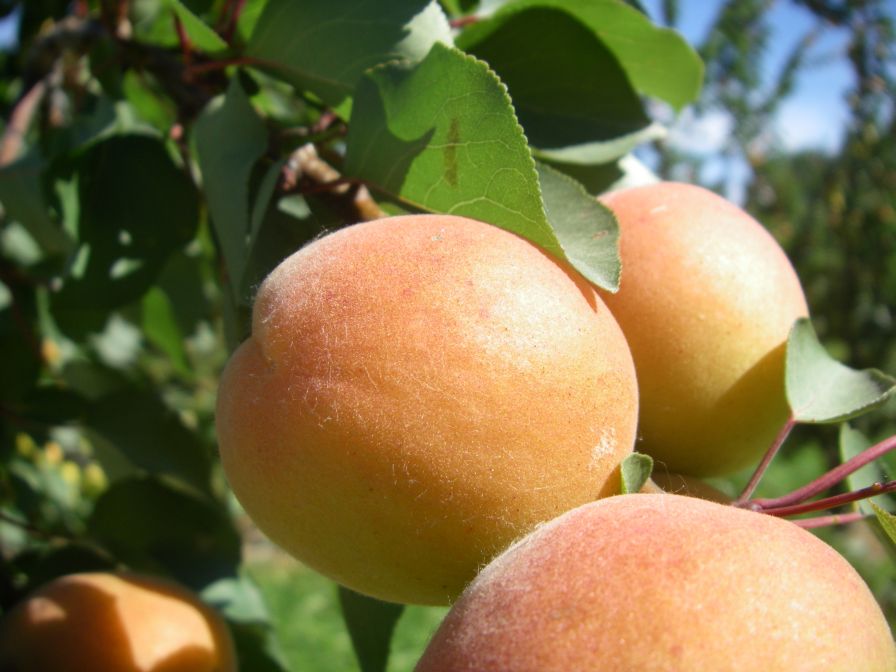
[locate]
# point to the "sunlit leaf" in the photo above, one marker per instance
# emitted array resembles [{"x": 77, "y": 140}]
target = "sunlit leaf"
[
  {"x": 587, "y": 230},
  {"x": 201, "y": 35},
  {"x": 822, "y": 390},
  {"x": 441, "y": 137},
  {"x": 887, "y": 521},
  {"x": 635, "y": 471}
]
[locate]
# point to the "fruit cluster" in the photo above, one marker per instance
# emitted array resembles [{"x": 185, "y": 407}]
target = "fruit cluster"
[
  {"x": 419, "y": 392},
  {"x": 433, "y": 410}
]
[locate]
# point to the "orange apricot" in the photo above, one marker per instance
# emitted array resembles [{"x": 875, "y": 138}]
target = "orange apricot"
[
  {"x": 418, "y": 392},
  {"x": 665, "y": 583}
]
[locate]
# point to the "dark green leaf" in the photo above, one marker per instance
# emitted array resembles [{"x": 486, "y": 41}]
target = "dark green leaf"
[
  {"x": 42, "y": 565},
  {"x": 157, "y": 527},
  {"x": 657, "y": 61},
  {"x": 635, "y": 471},
  {"x": 370, "y": 624},
  {"x": 324, "y": 46},
  {"x": 23, "y": 201},
  {"x": 587, "y": 230},
  {"x": 569, "y": 90},
  {"x": 128, "y": 223},
  {"x": 230, "y": 138},
  {"x": 441, "y": 136},
  {"x": 822, "y": 390},
  {"x": 160, "y": 328},
  {"x": 150, "y": 436},
  {"x": 257, "y": 647}
]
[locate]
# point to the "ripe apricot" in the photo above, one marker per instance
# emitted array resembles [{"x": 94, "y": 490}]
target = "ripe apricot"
[
  {"x": 103, "y": 622},
  {"x": 665, "y": 583},
  {"x": 418, "y": 392},
  {"x": 706, "y": 301}
]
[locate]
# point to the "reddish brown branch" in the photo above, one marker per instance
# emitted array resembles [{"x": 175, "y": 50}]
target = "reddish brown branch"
[
  {"x": 766, "y": 461},
  {"x": 830, "y": 502},
  {"x": 463, "y": 21},
  {"x": 831, "y": 478},
  {"x": 183, "y": 39},
  {"x": 19, "y": 123},
  {"x": 827, "y": 521}
]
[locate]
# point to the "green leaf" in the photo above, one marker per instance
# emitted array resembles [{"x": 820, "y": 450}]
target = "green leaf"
[
  {"x": 230, "y": 138},
  {"x": 441, "y": 136},
  {"x": 587, "y": 230},
  {"x": 150, "y": 436},
  {"x": 201, "y": 35},
  {"x": 155, "y": 526},
  {"x": 370, "y": 624},
  {"x": 635, "y": 470},
  {"x": 853, "y": 442},
  {"x": 161, "y": 329},
  {"x": 822, "y": 390},
  {"x": 324, "y": 46},
  {"x": 887, "y": 521},
  {"x": 570, "y": 92},
  {"x": 243, "y": 605},
  {"x": 657, "y": 61},
  {"x": 137, "y": 208},
  {"x": 23, "y": 201}
]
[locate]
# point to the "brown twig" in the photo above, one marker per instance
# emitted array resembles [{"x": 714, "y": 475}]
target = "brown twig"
[
  {"x": 186, "y": 44},
  {"x": 20, "y": 121},
  {"x": 316, "y": 175}
]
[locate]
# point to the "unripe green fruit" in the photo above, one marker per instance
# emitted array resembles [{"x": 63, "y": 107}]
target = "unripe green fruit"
[
  {"x": 706, "y": 302},
  {"x": 102, "y": 622},
  {"x": 417, "y": 393},
  {"x": 665, "y": 583}
]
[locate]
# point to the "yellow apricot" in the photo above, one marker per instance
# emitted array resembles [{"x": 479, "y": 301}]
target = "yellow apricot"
[
  {"x": 706, "y": 301},
  {"x": 418, "y": 392},
  {"x": 665, "y": 583},
  {"x": 103, "y": 622}
]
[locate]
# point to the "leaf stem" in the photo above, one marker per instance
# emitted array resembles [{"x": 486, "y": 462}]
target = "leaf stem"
[
  {"x": 829, "y": 502},
  {"x": 766, "y": 461},
  {"x": 833, "y": 519},
  {"x": 831, "y": 478}
]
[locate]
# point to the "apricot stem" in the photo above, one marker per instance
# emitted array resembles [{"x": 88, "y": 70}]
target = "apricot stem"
[
  {"x": 828, "y": 502},
  {"x": 831, "y": 478},
  {"x": 766, "y": 460}
]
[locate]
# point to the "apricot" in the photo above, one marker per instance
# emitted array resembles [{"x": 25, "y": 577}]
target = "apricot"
[
  {"x": 706, "y": 301},
  {"x": 418, "y": 392},
  {"x": 103, "y": 622},
  {"x": 663, "y": 583}
]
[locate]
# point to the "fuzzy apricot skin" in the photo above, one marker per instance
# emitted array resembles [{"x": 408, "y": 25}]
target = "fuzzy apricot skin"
[
  {"x": 418, "y": 392},
  {"x": 706, "y": 300},
  {"x": 665, "y": 583},
  {"x": 103, "y": 622}
]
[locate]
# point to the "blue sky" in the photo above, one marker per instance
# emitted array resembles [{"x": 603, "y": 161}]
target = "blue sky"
[{"x": 815, "y": 113}]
